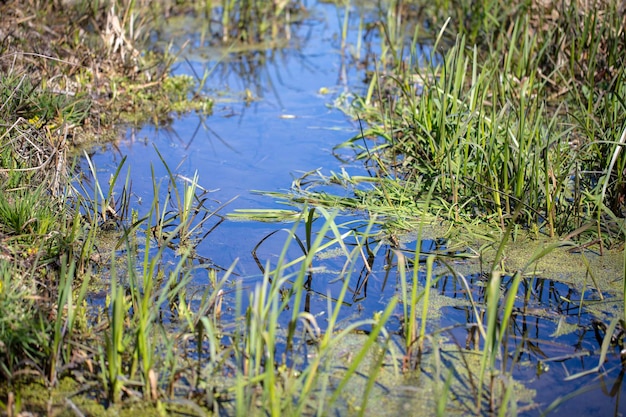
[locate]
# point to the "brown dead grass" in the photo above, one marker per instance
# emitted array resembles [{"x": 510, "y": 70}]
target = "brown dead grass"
[{"x": 69, "y": 50}]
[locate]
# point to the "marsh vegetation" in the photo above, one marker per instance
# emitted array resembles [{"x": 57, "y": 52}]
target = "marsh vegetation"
[{"x": 488, "y": 215}]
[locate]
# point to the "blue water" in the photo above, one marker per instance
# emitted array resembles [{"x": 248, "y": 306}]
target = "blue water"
[{"x": 288, "y": 129}]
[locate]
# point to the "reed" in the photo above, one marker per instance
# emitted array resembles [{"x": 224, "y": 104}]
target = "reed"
[
  {"x": 70, "y": 311},
  {"x": 116, "y": 342}
]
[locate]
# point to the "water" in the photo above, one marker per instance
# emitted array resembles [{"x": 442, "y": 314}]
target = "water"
[
  {"x": 289, "y": 130},
  {"x": 240, "y": 148}
]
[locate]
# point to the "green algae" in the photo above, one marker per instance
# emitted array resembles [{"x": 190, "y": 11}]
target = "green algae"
[
  {"x": 561, "y": 261},
  {"x": 579, "y": 268},
  {"x": 445, "y": 380},
  {"x": 70, "y": 398},
  {"x": 563, "y": 328}
]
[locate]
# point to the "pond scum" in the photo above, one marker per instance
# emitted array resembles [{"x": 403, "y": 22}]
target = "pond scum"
[{"x": 511, "y": 129}]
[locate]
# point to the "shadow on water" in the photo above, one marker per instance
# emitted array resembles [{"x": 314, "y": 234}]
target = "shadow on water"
[{"x": 271, "y": 121}]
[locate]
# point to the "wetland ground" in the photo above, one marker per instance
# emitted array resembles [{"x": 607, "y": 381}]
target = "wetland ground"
[{"x": 312, "y": 207}]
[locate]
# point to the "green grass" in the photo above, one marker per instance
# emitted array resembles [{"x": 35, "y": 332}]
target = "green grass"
[
  {"x": 498, "y": 131},
  {"x": 23, "y": 327}
]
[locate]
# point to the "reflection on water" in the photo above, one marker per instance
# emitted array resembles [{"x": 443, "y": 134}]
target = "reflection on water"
[
  {"x": 271, "y": 122},
  {"x": 249, "y": 146}
]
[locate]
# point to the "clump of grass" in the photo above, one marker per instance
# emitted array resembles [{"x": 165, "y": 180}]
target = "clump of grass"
[
  {"x": 23, "y": 325},
  {"x": 289, "y": 386},
  {"x": 98, "y": 67},
  {"x": 489, "y": 124},
  {"x": 38, "y": 228},
  {"x": 41, "y": 299},
  {"x": 49, "y": 101}
]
